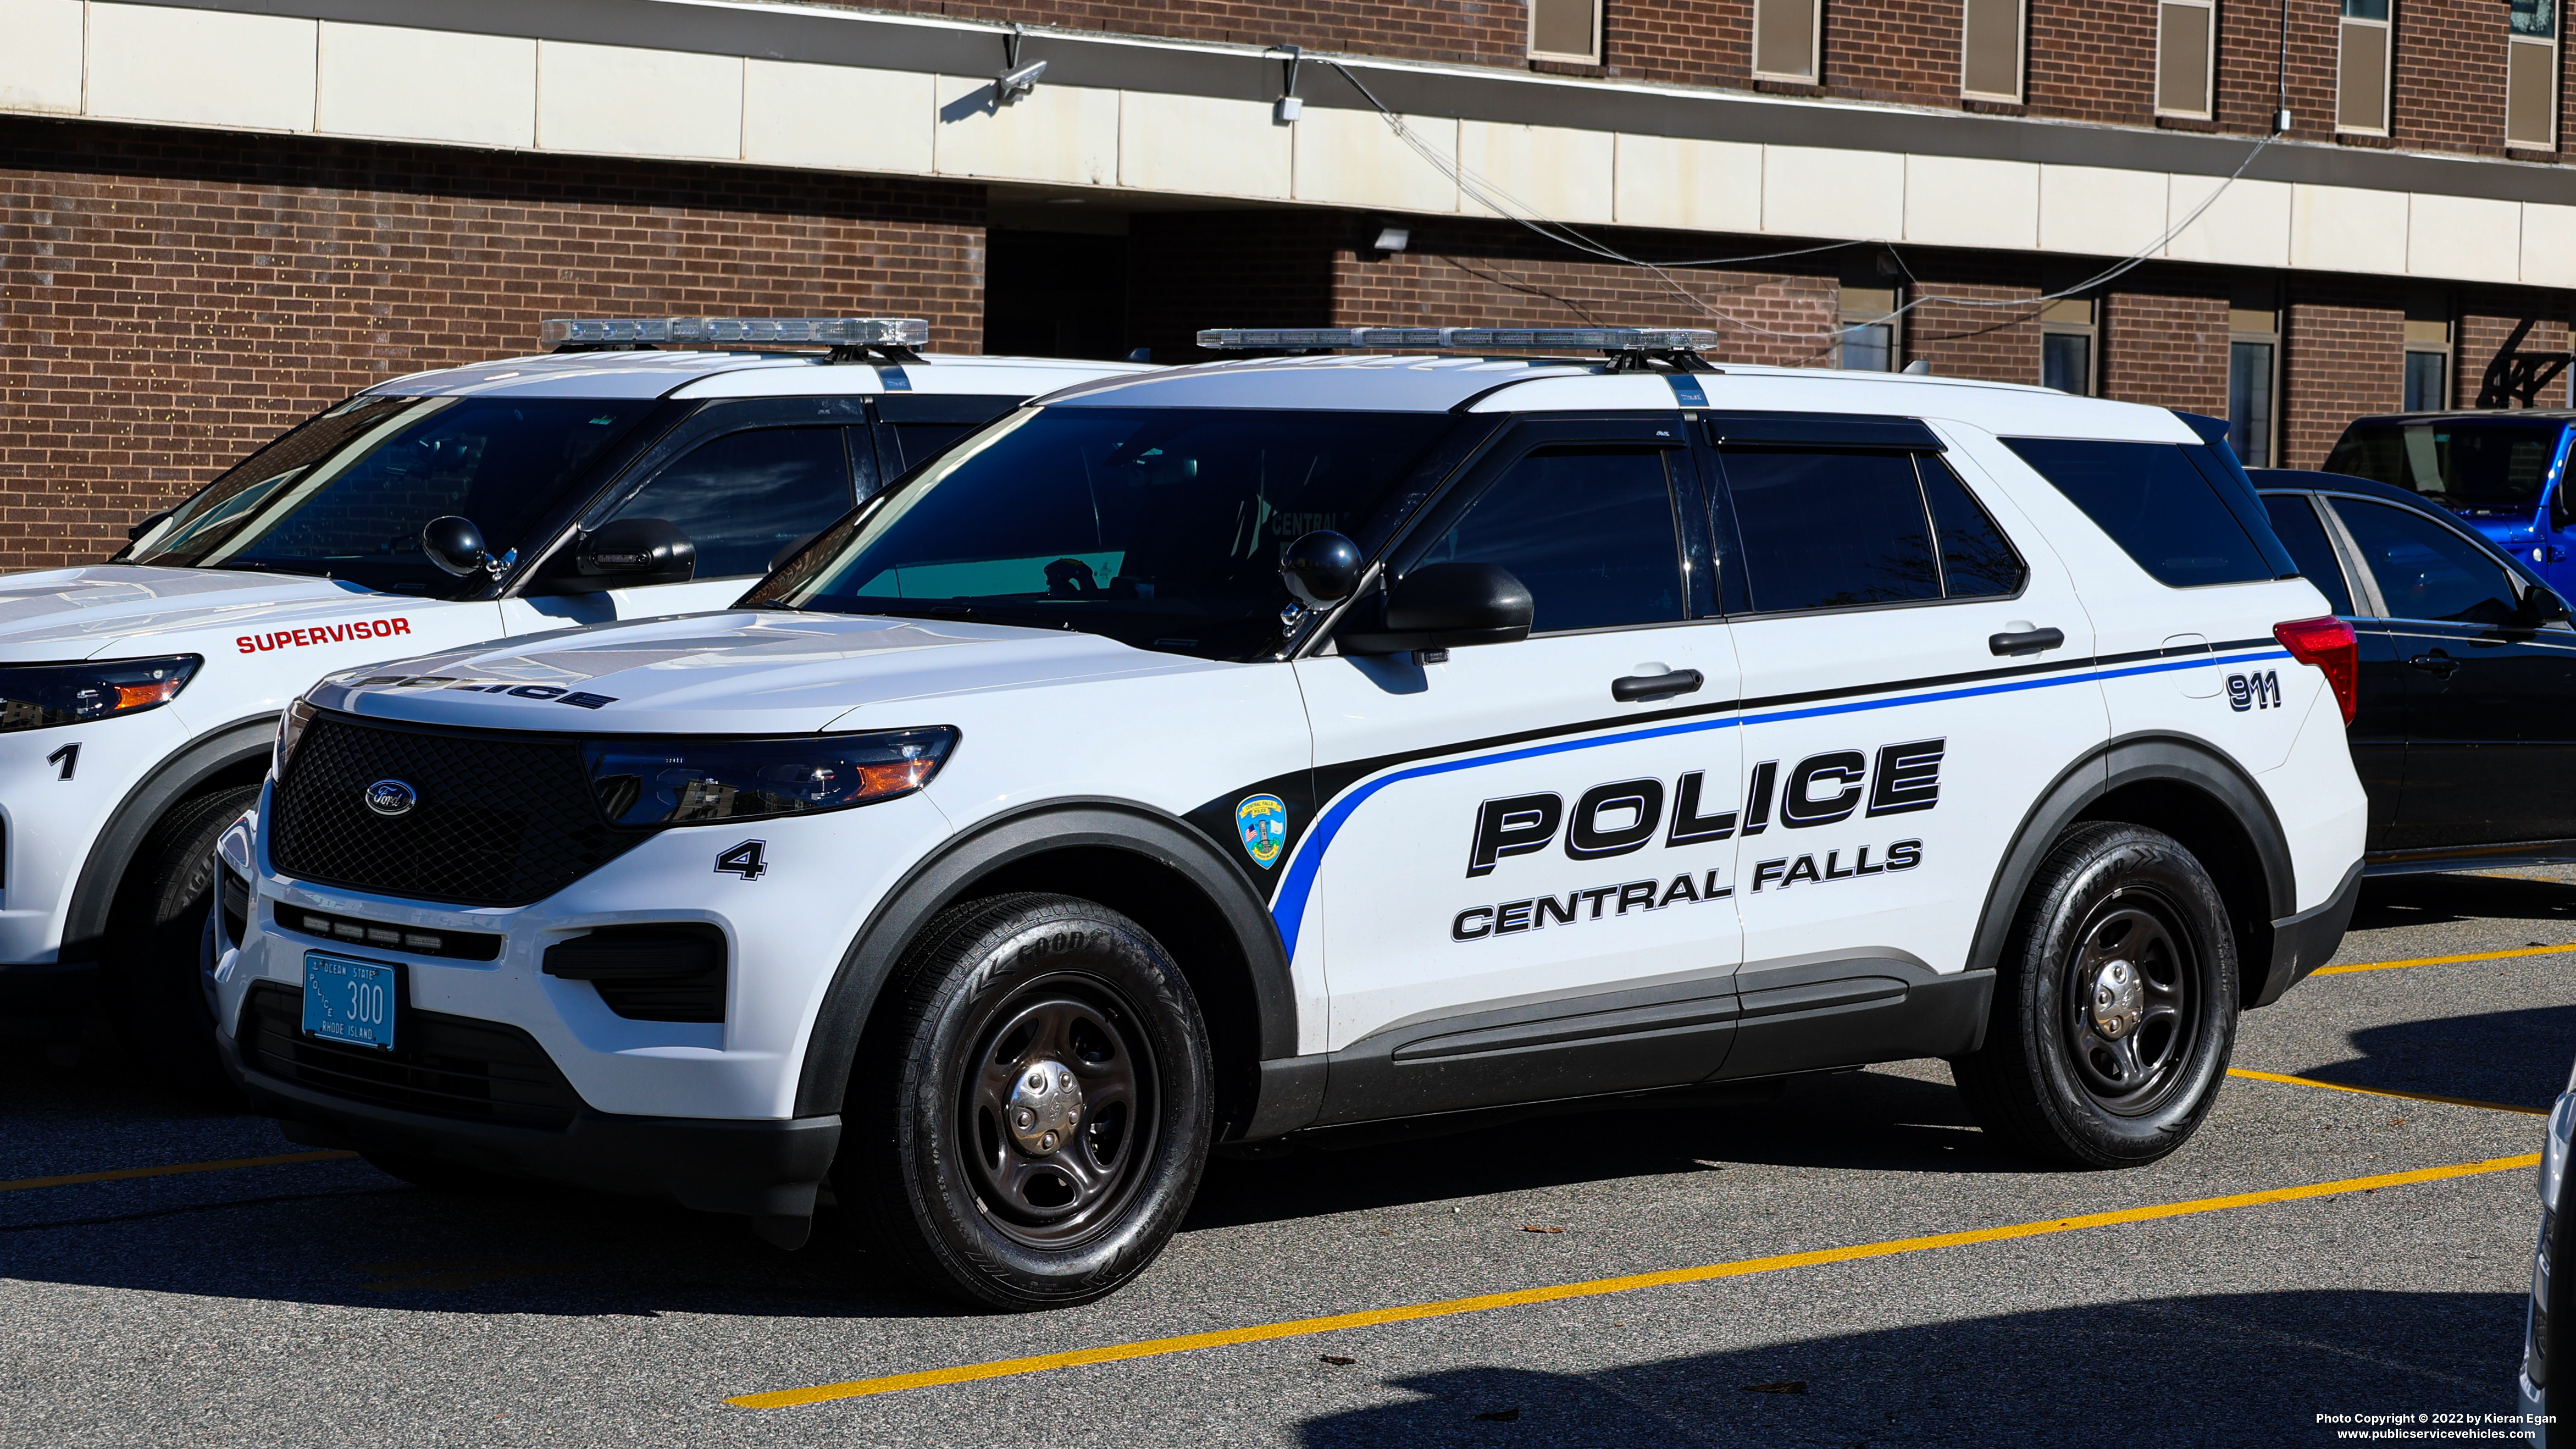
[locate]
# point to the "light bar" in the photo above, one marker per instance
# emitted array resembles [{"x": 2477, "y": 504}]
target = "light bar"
[
  {"x": 811, "y": 331},
  {"x": 1465, "y": 339}
]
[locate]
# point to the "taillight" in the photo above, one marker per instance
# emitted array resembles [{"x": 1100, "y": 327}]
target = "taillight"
[{"x": 2330, "y": 645}]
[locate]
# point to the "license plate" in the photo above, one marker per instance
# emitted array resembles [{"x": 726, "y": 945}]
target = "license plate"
[{"x": 350, "y": 1001}]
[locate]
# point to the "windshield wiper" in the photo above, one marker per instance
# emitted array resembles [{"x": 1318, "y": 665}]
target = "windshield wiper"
[{"x": 265, "y": 566}]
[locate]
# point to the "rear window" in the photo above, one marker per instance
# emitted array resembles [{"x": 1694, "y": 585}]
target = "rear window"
[
  {"x": 2161, "y": 508},
  {"x": 2473, "y": 466}
]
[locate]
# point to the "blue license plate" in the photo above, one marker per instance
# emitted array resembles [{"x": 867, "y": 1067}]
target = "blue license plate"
[{"x": 350, "y": 1001}]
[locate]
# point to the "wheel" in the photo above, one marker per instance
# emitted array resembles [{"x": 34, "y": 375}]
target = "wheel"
[
  {"x": 1031, "y": 1109},
  {"x": 2115, "y": 1008},
  {"x": 155, "y": 940}
]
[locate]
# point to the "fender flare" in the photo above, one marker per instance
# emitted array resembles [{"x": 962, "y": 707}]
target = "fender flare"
[
  {"x": 111, "y": 853},
  {"x": 950, "y": 875},
  {"x": 2130, "y": 760}
]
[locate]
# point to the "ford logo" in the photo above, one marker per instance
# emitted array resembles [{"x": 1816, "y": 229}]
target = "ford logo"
[{"x": 391, "y": 797}]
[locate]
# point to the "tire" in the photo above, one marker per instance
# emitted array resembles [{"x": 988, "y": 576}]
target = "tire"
[
  {"x": 2115, "y": 1008},
  {"x": 1032, "y": 1104},
  {"x": 155, "y": 937}
]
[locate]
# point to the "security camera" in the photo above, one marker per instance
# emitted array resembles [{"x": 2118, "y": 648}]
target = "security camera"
[{"x": 1010, "y": 85}]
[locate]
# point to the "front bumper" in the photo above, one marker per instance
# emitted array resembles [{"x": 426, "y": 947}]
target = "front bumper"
[{"x": 762, "y": 1168}]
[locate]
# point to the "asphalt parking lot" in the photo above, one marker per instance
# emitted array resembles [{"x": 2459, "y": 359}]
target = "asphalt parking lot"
[{"x": 1869, "y": 1272}]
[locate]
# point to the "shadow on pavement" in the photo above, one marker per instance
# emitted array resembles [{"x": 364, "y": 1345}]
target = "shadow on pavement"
[
  {"x": 2515, "y": 1058},
  {"x": 2429, "y": 900},
  {"x": 2222, "y": 1370}
]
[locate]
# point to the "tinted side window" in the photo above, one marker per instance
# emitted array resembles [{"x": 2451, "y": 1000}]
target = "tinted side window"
[
  {"x": 1977, "y": 561},
  {"x": 2294, "y": 518},
  {"x": 2426, "y": 571},
  {"x": 1589, "y": 531},
  {"x": 744, "y": 496},
  {"x": 913, "y": 444},
  {"x": 1830, "y": 530},
  {"x": 2160, "y": 509}
]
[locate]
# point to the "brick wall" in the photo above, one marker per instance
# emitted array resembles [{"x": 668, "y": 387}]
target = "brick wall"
[
  {"x": 2341, "y": 348},
  {"x": 2000, "y": 344},
  {"x": 1192, "y": 269},
  {"x": 169, "y": 300},
  {"x": 2167, "y": 347},
  {"x": 2088, "y": 62},
  {"x": 2486, "y": 319}
]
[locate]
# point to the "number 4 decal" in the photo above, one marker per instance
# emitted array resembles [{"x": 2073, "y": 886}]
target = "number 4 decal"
[
  {"x": 750, "y": 860},
  {"x": 68, "y": 757}
]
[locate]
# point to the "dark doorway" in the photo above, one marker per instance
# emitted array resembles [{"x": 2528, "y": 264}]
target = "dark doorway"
[{"x": 1055, "y": 294}]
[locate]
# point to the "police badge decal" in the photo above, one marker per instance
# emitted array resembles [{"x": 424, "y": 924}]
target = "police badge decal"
[{"x": 1262, "y": 823}]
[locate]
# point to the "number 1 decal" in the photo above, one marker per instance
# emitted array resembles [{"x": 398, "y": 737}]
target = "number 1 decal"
[
  {"x": 750, "y": 860},
  {"x": 68, "y": 757}
]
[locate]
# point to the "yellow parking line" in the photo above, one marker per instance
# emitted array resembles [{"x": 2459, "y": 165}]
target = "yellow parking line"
[
  {"x": 2351, "y": 967},
  {"x": 1301, "y": 1327},
  {"x": 2383, "y": 1092},
  {"x": 172, "y": 1170}
]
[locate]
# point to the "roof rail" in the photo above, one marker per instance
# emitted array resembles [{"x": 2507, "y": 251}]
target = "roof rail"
[
  {"x": 852, "y": 339},
  {"x": 1630, "y": 349}
]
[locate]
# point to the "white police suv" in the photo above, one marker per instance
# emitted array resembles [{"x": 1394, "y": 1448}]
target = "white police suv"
[
  {"x": 1276, "y": 745},
  {"x": 139, "y": 698}
]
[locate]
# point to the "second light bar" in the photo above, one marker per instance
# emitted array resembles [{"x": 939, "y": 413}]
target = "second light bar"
[{"x": 1460, "y": 339}]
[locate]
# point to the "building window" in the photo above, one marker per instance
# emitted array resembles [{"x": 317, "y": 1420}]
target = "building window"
[
  {"x": 2253, "y": 371},
  {"x": 2186, "y": 54},
  {"x": 2428, "y": 352},
  {"x": 1787, "y": 37},
  {"x": 2066, "y": 345},
  {"x": 2361, "y": 67},
  {"x": 2531, "y": 74},
  {"x": 1865, "y": 339},
  {"x": 1565, "y": 30},
  {"x": 1990, "y": 49}
]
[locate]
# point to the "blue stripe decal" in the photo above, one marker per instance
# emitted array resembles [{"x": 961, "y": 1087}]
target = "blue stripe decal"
[{"x": 1289, "y": 911}]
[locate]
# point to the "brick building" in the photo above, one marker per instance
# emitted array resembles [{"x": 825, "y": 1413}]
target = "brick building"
[{"x": 218, "y": 215}]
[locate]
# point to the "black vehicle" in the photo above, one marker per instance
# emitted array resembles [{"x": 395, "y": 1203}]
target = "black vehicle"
[{"x": 2465, "y": 736}]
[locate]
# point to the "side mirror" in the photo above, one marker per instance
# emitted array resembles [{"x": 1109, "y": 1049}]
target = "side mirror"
[
  {"x": 779, "y": 559},
  {"x": 2541, "y": 608},
  {"x": 1321, "y": 568},
  {"x": 456, "y": 546},
  {"x": 630, "y": 553},
  {"x": 1443, "y": 606}
]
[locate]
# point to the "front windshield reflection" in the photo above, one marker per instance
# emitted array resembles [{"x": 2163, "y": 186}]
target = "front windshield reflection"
[
  {"x": 1158, "y": 527},
  {"x": 346, "y": 493},
  {"x": 2472, "y": 466}
]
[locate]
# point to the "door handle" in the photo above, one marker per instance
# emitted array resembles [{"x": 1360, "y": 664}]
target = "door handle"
[
  {"x": 2025, "y": 641},
  {"x": 1629, "y": 688},
  {"x": 2439, "y": 665}
]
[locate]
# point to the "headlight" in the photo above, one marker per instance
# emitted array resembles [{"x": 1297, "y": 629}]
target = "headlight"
[
  {"x": 290, "y": 728},
  {"x": 41, "y": 696},
  {"x": 646, "y": 782}
]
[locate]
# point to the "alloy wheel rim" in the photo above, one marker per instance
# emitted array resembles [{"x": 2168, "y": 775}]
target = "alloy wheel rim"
[{"x": 1058, "y": 1111}]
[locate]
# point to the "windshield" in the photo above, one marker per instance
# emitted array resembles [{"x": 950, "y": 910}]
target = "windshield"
[
  {"x": 346, "y": 493},
  {"x": 2471, "y": 466},
  {"x": 1157, "y": 527}
]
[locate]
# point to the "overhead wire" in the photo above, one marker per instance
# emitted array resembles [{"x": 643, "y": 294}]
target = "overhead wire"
[{"x": 1493, "y": 198}]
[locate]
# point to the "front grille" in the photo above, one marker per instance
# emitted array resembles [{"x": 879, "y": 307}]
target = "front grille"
[
  {"x": 672, "y": 971},
  {"x": 441, "y": 1065},
  {"x": 500, "y": 821}
]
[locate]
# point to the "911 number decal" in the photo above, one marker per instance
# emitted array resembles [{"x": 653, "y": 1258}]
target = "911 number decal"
[
  {"x": 750, "y": 860},
  {"x": 2254, "y": 691}
]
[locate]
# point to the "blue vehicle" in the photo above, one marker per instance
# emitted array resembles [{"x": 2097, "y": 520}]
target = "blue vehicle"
[{"x": 2502, "y": 473}]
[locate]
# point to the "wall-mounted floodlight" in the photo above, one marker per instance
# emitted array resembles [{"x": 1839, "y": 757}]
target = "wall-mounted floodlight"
[
  {"x": 1392, "y": 238},
  {"x": 1015, "y": 80}
]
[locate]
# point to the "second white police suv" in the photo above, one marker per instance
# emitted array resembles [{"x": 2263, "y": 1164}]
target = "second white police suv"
[
  {"x": 1279, "y": 745},
  {"x": 605, "y": 480}
]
